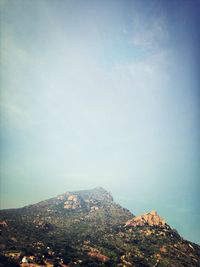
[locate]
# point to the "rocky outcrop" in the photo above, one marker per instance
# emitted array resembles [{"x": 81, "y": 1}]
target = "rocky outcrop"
[
  {"x": 151, "y": 218},
  {"x": 96, "y": 254},
  {"x": 3, "y": 224},
  {"x": 94, "y": 208},
  {"x": 72, "y": 203}
]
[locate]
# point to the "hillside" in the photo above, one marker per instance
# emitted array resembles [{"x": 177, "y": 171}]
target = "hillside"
[{"x": 87, "y": 228}]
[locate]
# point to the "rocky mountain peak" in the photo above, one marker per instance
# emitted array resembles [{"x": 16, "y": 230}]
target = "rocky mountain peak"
[
  {"x": 98, "y": 193},
  {"x": 76, "y": 200},
  {"x": 87, "y": 228},
  {"x": 85, "y": 198},
  {"x": 151, "y": 219}
]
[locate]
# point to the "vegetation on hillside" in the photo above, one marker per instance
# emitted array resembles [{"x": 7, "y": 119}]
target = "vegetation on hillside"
[{"x": 87, "y": 228}]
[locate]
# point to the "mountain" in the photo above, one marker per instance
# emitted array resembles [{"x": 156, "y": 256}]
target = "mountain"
[{"x": 87, "y": 228}]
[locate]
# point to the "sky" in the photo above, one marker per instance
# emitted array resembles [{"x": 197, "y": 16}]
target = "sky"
[{"x": 102, "y": 93}]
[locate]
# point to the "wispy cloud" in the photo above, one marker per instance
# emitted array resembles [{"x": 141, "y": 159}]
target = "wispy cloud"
[
  {"x": 146, "y": 73},
  {"x": 147, "y": 33}
]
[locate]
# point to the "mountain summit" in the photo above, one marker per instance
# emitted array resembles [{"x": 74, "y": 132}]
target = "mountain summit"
[
  {"x": 76, "y": 200},
  {"x": 87, "y": 228}
]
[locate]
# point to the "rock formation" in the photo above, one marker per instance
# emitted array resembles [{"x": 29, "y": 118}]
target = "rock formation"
[
  {"x": 72, "y": 203},
  {"x": 151, "y": 218}
]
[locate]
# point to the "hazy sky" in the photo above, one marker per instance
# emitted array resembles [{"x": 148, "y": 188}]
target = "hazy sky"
[{"x": 102, "y": 93}]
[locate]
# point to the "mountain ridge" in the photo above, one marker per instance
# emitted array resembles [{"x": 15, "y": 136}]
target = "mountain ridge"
[{"x": 87, "y": 228}]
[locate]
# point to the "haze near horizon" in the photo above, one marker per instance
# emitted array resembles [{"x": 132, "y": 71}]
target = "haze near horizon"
[{"x": 102, "y": 93}]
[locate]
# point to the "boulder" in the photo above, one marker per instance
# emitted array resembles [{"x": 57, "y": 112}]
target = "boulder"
[{"x": 151, "y": 218}]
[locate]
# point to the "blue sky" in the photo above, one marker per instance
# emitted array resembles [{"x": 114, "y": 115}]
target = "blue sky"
[{"x": 102, "y": 93}]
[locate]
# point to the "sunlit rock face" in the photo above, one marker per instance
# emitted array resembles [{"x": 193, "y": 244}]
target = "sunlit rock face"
[
  {"x": 151, "y": 218},
  {"x": 72, "y": 203},
  {"x": 3, "y": 224},
  {"x": 79, "y": 200}
]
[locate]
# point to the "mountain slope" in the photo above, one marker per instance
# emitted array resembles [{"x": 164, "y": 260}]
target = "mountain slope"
[{"x": 87, "y": 228}]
